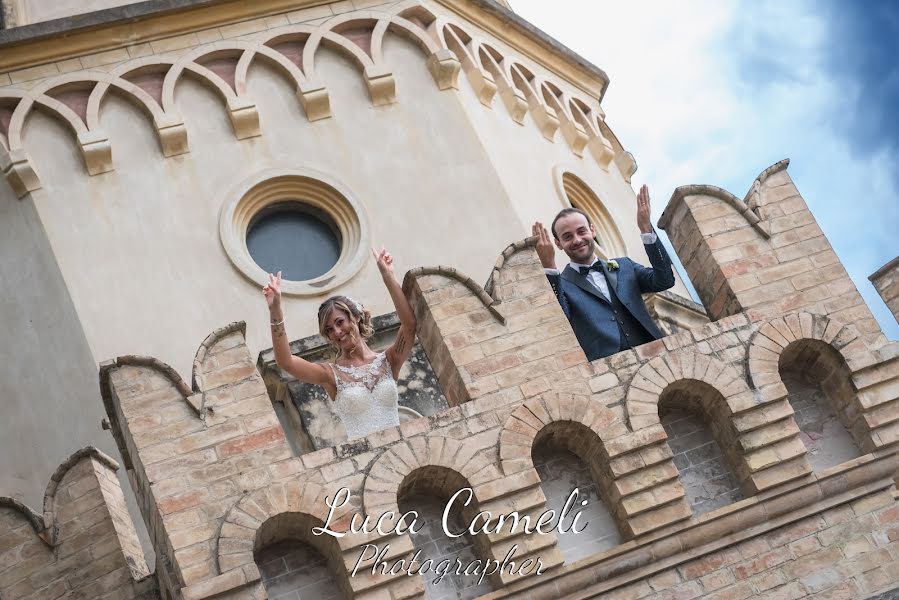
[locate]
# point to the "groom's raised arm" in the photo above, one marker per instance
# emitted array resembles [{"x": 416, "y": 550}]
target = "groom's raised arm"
[
  {"x": 547, "y": 255},
  {"x": 661, "y": 275}
]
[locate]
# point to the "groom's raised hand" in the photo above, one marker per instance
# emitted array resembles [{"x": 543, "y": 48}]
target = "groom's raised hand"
[
  {"x": 545, "y": 250},
  {"x": 643, "y": 221}
]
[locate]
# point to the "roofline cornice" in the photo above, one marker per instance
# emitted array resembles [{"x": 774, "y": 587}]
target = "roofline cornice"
[{"x": 108, "y": 29}]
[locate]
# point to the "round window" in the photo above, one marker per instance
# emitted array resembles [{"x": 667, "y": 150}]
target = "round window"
[
  {"x": 299, "y": 240},
  {"x": 301, "y": 222}
]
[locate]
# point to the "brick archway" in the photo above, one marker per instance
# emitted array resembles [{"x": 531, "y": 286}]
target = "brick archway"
[
  {"x": 522, "y": 427},
  {"x": 651, "y": 380},
  {"x": 772, "y": 337},
  {"x": 866, "y": 411},
  {"x": 382, "y": 484},
  {"x": 238, "y": 536}
]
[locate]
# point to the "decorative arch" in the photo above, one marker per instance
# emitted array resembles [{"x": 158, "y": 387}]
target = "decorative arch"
[
  {"x": 487, "y": 297},
  {"x": 651, "y": 380},
  {"x": 768, "y": 343},
  {"x": 716, "y": 192},
  {"x": 197, "y": 382},
  {"x": 495, "y": 63},
  {"x": 633, "y": 471},
  {"x": 785, "y": 338},
  {"x": 525, "y": 424},
  {"x": 387, "y": 474},
  {"x": 458, "y": 41},
  {"x": 239, "y": 536},
  {"x": 44, "y": 525},
  {"x": 573, "y": 131},
  {"x": 110, "y": 401},
  {"x": 700, "y": 432},
  {"x": 449, "y": 48},
  {"x": 756, "y": 430},
  {"x": 9, "y": 100}
]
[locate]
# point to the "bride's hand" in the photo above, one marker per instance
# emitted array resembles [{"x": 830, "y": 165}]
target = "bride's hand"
[
  {"x": 384, "y": 261},
  {"x": 272, "y": 291}
]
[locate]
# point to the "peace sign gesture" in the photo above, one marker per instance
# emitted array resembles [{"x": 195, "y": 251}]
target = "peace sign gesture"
[
  {"x": 384, "y": 261},
  {"x": 272, "y": 291}
]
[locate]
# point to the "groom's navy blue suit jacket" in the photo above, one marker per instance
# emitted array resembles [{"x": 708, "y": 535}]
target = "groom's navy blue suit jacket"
[{"x": 599, "y": 323}]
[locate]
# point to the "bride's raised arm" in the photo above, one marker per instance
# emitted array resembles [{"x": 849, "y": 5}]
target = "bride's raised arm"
[
  {"x": 303, "y": 370},
  {"x": 405, "y": 337}
]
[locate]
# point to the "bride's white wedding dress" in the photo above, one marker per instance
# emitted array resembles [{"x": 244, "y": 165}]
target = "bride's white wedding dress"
[{"x": 367, "y": 399}]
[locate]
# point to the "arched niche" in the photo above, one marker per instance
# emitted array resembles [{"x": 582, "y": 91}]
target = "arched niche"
[
  {"x": 696, "y": 420},
  {"x": 823, "y": 397},
  {"x": 427, "y": 490},
  {"x": 293, "y": 561},
  {"x": 568, "y": 456}
]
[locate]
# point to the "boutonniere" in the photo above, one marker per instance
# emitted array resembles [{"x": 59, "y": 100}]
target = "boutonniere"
[{"x": 612, "y": 265}]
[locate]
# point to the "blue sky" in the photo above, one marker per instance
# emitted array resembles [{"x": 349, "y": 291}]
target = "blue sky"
[{"x": 713, "y": 92}]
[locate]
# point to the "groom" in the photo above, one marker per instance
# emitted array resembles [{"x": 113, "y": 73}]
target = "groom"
[{"x": 602, "y": 299}]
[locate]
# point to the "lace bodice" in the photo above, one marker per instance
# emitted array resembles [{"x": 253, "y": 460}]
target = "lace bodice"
[{"x": 366, "y": 399}]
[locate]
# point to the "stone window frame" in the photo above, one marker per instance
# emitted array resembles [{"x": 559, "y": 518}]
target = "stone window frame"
[
  {"x": 574, "y": 192},
  {"x": 308, "y": 186}
]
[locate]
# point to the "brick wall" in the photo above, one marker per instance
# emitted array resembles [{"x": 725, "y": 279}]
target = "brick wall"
[
  {"x": 83, "y": 545},
  {"x": 218, "y": 483},
  {"x": 764, "y": 254}
]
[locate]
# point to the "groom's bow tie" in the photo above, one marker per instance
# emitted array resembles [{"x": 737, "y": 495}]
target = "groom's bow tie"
[{"x": 596, "y": 266}]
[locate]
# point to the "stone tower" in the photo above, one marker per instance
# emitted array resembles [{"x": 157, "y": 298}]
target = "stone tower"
[{"x": 749, "y": 453}]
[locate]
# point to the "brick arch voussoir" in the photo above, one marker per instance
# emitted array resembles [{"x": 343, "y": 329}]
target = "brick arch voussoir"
[
  {"x": 385, "y": 479},
  {"x": 237, "y": 536},
  {"x": 651, "y": 380},
  {"x": 520, "y": 431},
  {"x": 773, "y": 336}
]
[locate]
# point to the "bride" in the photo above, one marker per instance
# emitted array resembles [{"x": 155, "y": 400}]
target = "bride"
[{"x": 361, "y": 382}]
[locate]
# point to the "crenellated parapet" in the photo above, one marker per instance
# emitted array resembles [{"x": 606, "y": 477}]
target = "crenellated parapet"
[
  {"x": 763, "y": 255},
  {"x": 83, "y": 544},
  {"x": 218, "y": 482}
]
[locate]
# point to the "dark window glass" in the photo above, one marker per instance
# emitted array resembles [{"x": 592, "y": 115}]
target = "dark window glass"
[{"x": 299, "y": 240}]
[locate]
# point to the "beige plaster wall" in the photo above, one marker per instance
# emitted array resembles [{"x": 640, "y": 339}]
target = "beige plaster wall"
[
  {"x": 48, "y": 377},
  {"x": 43, "y": 346},
  {"x": 139, "y": 246},
  {"x": 444, "y": 180}
]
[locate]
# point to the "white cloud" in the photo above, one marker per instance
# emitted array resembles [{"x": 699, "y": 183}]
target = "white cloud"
[{"x": 714, "y": 92}]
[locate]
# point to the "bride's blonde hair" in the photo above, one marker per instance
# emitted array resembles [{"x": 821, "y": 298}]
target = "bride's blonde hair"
[{"x": 357, "y": 312}]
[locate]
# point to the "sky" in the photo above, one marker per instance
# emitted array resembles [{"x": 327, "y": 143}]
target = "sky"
[{"x": 713, "y": 92}]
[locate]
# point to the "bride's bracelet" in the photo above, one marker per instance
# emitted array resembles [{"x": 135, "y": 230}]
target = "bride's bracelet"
[{"x": 276, "y": 323}]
